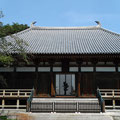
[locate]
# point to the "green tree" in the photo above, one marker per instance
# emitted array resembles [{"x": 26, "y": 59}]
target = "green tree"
[
  {"x": 11, "y": 29},
  {"x": 1, "y": 15},
  {"x": 8, "y": 47}
]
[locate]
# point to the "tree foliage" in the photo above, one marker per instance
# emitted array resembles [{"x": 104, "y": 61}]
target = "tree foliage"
[
  {"x": 1, "y": 15},
  {"x": 17, "y": 45},
  {"x": 7, "y": 47},
  {"x": 11, "y": 29}
]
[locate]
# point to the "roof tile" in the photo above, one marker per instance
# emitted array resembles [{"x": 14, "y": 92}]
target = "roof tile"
[{"x": 70, "y": 40}]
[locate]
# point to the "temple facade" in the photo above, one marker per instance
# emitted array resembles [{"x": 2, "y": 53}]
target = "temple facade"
[{"x": 66, "y": 62}]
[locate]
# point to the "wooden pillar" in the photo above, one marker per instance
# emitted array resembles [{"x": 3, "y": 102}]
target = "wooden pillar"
[
  {"x": 52, "y": 86},
  {"x": 116, "y": 62},
  {"x": 94, "y": 79},
  {"x": 79, "y": 62},
  {"x": 94, "y": 76},
  {"x": 116, "y": 85},
  {"x": 116, "y": 68},
  {"x": 79, "y": 79},
  {"x": 14, "y": 80},
  {"x": 36, "y": 81},
  {"x": 52, "y": 82},
  {"x": 117, "y": 76},
  {"x": 36, "y": 60}
]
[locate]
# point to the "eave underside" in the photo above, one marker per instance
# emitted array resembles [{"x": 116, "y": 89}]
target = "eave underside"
[{"x": 73, "y": 57}]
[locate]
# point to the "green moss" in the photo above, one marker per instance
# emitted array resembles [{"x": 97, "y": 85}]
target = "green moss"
[{"x": 5, "y": 118}]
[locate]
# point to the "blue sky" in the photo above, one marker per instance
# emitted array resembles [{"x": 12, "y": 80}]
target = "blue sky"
[{"x": 63, "y": 12}]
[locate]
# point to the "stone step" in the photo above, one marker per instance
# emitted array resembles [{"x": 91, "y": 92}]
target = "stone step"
[
  {"x": 65, "y": 100},
  {"x": 65, "y": 105}
]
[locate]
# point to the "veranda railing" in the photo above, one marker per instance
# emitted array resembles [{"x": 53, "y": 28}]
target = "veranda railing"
[
  {"x": 16, "y": 95},
  {"x": 111, "y": 96}
]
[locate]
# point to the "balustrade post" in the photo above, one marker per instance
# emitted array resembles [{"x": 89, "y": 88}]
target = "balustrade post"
[
  {"x": 18, "y": 93},
  {"x": 18, "y": 102},
  {"x": 113, "y": 93},
  {"x": 10, "y": 93},
  {"x": 77, "y": 106},
  {"x": 3, "y": 103},
  {"x": 3, "y": 92},
  {"x": 103, "y": 106},
  {"x": 53, "y": 106},
  {"x": 113, "y": 104}
]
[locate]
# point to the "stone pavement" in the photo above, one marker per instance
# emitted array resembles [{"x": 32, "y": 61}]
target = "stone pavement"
[
  {"x": 69, "y": 116},
  {"x": 109, "y": 115}
]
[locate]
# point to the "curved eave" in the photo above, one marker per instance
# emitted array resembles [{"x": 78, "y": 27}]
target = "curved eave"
[{"x": 76, "y": 55}]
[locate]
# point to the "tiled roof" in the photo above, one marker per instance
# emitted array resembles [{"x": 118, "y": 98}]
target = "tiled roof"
[{"x": 70, "y": 40}]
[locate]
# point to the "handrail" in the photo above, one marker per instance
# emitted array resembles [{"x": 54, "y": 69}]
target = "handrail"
[
  {"x": 15, "y": 89},
  {"x": 101, "y": 101},
  {"x": 15, "y": 92},
  {"x": 109, "y": 89},
  {"x": 29, "y": 100},
  {"x": 110, "y": 93}
]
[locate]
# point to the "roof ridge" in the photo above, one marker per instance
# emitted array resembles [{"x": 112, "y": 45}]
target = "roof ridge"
[
  {"x": 111, "y": 32},
  {"x": 23, "y": 31},
  {"x": 20, "y": 32},
  {"x": 65, "y": 28}
]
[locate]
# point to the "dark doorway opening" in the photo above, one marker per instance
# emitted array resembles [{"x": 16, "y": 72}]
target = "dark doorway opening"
[{"x": 65, "y": 84}]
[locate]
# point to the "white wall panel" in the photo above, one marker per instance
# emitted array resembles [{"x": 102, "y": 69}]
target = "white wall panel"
[
  {"x": 73, "y": 69},
  {"x": 25, "y": 69},
  {"x": 105, "y": 69},
  {"x": 118, "y": 69},
  {"x": 86, "y": 69},
  {"x": 6, "y": 69},
  {"x": 57, "y": 69},
  {"x": 43, "y": 69}
]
